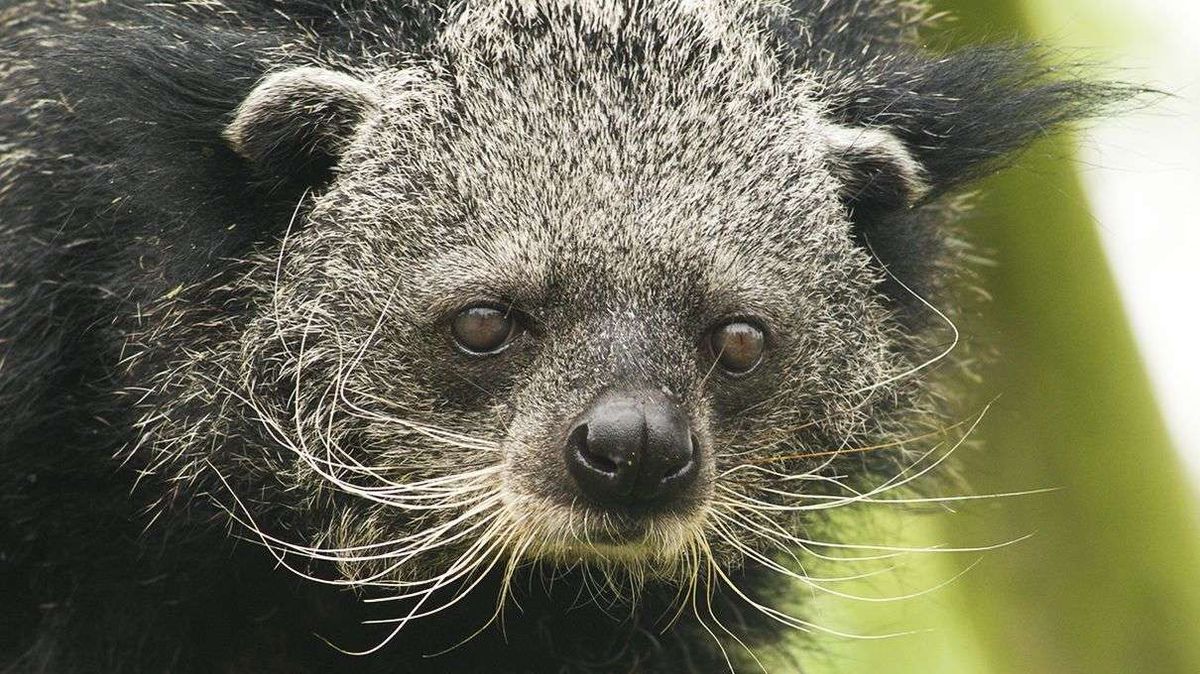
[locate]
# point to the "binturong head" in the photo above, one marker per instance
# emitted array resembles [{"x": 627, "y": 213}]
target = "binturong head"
[{"x": 632, "y": 291}]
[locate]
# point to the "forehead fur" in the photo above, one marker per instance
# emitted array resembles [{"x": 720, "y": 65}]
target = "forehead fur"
[
  {"x": 502, "y": 30},
  {"x": 666, "y": 146}
]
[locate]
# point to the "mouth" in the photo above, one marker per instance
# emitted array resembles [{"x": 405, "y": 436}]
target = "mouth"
[{"x": 580, "y": 533}]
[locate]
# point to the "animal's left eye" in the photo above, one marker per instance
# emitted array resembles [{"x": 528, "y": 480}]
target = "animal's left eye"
[
  {"x": 738, "y": 346},
  {"x": 483, "y": 329}
]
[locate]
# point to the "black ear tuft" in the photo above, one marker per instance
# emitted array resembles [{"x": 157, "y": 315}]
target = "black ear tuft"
[
  {"x": 959, "y": 116},
  {"x": 965, "y": 114},
  {"x": 295, "y": 123}
]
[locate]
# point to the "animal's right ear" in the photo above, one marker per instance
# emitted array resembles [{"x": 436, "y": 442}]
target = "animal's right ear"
[{"x": 295, "y": 124}]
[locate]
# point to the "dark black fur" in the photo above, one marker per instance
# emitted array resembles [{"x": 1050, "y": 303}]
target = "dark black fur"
[{"x": 125, "y": 191}]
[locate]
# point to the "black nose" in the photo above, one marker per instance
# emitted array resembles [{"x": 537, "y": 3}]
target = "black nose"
[{"x": 632, "y": 449}]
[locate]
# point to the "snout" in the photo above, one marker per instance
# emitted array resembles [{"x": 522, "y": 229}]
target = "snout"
[{"x": 633, "y": 449}]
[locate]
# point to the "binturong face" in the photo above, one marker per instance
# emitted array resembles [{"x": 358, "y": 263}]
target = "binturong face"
[
  {"x": 560, "y": 307},
  {"x": 563, "y": 310}
]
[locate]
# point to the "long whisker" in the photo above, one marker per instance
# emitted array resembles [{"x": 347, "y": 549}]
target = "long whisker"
[
  {"x": 794, "y": 622},
  {"x": 928, "y": 363},
  {"x": 730, "y": 539}
]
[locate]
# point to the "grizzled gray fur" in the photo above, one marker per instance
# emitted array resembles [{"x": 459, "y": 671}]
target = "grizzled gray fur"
[{"x": 538, "y": 334}]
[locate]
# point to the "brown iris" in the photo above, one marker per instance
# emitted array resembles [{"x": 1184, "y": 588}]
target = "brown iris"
[
  {"x": 738, "y": 346},
  {"x": 484, "y": 329}
]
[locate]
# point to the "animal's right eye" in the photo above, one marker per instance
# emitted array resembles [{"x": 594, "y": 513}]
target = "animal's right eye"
[{"x": 483, "y": 329}]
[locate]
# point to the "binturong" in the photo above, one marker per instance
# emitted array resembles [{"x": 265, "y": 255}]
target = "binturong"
[{"x": 537, "y": 335}]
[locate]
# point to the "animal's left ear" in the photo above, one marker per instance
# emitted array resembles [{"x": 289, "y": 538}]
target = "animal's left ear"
[
  {"x": 962, "y": 115},
  {"x": 907, "y": 126},
  {"x": 294, "y": 124},
  {"x": 877, "y": 172},
  {"x": 882, "y": 182}
]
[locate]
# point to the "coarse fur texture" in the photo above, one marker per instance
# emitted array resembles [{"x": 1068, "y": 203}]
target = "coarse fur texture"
[{"x": 233, "y": 233}]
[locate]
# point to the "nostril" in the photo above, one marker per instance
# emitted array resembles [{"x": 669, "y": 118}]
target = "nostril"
[
  {"x": 686, "y": 462},
  {"x": 578, "y": 442},
  {"x": 601, "y": 463}
]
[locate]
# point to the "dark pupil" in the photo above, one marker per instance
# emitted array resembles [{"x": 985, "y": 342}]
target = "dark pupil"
[
  {"x": 482, "y": 329},
  {"x": 739, "y": 346}
]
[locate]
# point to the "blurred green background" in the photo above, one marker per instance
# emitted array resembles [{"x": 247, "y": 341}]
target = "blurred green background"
[{"x": 1110, "y": 580}]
